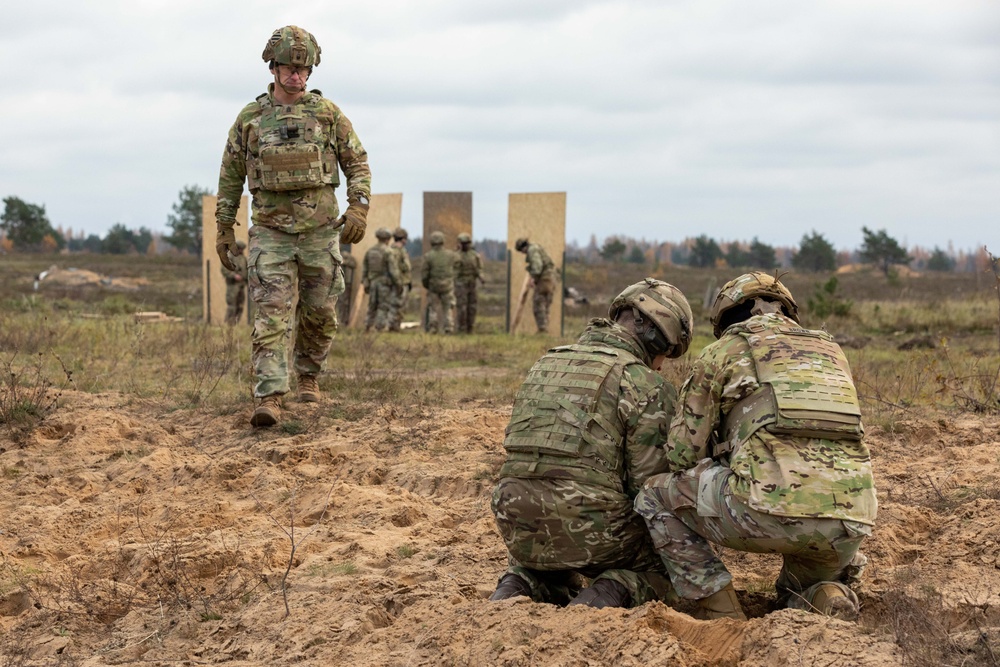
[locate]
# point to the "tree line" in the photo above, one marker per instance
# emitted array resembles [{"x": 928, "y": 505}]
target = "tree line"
[{"x": 25, "y": 227}]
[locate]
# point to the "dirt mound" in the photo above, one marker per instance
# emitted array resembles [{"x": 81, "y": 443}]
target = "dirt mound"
[{"x": 131, "y": 533}]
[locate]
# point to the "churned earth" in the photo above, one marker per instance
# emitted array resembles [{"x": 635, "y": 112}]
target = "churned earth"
[{"x": 132, "y": 534}]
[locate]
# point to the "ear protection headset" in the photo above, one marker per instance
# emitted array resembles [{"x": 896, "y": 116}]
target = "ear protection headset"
[{"x": 652, "y": 338}]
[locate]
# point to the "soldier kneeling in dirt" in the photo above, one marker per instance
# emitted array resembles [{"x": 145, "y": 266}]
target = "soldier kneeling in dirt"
[
  {"x": 586, "y": 430},
  {"x": 766, "y": 455}
]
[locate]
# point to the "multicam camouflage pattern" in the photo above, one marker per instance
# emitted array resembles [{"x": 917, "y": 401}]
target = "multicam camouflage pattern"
[
  {"x": 540, "y": 265},
  {"x": 468, "y": 270},
  {"x": 689, "y": 511},
  {"x": 750, "y": 286},
  {"x": 662, "y": 304},
  {"x": 279, "y": 263},
  {"x": 236, "y": 288},
  {"x": 316, "y": 124},
  {"x": 810, "y": 499},
  {"x": 437, "y": 275},
  {"x": 806, "y": 391},
  {"x": 587, "y": 429},
  {"x": 380, "y": 277},
  {"x": 292, "y": 45},
  {"x": 542, "y": 270},
  {"x": 777, "y": 474},
  {"x": 401, "y": 293}
]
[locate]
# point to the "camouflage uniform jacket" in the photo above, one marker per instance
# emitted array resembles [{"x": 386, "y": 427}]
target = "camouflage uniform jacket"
[
  {"x": 402, "y": 260},
  {"x": 379, "y": 265},
  {"x": 438, "y": 271},
  {"x": 776, "y": 474},
  {"x": 468, "y": 266},
  {"x": 540, "y": 265},
  {"x": 608, "y": 444},
  {"x": 292, "y": 211}
]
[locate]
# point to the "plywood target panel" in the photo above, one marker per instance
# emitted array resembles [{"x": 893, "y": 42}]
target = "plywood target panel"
[{"x": 539, "y": 217}]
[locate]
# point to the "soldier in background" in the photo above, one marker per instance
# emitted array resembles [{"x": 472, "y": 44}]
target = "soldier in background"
[
  {"x": 288, "y": 145},
  {"x": 380, "y": 278},
  {"x": 542, "y": 270},
  {"x": 586, "y": 430},
  {"x": 437, "y": 275},
  {"x": 236, "y": 285},
  {"x": 468, "y": 270},
  {"x": 402, "y": 259},
  {"x": 765, "y": 455}
]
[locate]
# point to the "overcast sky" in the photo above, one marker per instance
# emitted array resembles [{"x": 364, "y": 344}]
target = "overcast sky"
[{"x": 660, "y": 119}]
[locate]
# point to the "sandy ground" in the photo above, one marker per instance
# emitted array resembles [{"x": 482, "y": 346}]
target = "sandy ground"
[{"x": 133, "y": 535}]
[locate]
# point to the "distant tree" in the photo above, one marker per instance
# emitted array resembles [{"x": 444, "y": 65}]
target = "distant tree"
[
  {"x": 705, "y": 252},
  {"x": 119, "y": 240},
  {"x": 613, "y": 250},
  {"x": 815, "y": 254},
  {"x": 736, "y": 257},
  {"x": 185, "y": 221},
  {"x": 761, "y": 255},
  {"x": 92, "y": 243},
  {"x": 636, "y": 256},
  {"x": 940, "y": 261},
  {"x": 882, "y": 250},
  {"x": 26, "y": 225}
]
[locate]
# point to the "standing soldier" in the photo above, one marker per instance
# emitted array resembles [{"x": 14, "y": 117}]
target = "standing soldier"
[
  {"x": 542, "y": 270},
  {"x": 380, "y": 277},
  {"x": 402, "y": 259},
  {"x": 586, "y": 430},
  {"x": 287, "y": 145},
  {"x": 437, "y": 275},
  {"x": 468, "y": 269},
  {"x": 765, "y": 455},
  {"x": 236, "y": 285}
]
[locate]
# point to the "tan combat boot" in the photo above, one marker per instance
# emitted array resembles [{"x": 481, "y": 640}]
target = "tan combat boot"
[
  {"x": 831, "y": 600},
  {"x": 267, "y": 412},
  {"x": 722, "y": 604},
  {"x": 308, "y": 389}
]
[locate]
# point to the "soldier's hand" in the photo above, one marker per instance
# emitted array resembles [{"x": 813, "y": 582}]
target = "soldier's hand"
[
  {"x": 355, "y": 221},
  {"x": 225, "y": 243}
]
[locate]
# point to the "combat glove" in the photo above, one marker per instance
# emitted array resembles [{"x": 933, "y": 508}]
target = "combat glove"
[
  {"x": 225, "y": 243},
  {"x": 603, "y": 593},
  {"x": 354, "y": 220}
]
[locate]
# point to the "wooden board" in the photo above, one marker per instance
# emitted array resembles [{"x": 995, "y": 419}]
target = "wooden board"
[{"x": 541, "y": 218}]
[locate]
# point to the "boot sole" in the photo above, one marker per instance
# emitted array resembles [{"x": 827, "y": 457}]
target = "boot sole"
[{"x": 308, "y": 398}]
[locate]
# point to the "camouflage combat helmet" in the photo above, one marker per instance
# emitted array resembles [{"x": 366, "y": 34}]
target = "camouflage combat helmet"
[
  {"x": 437, "y": 238},
  {"x": 520, "y": 244},
  {"x": 400, "y": 234},
  {"x": 750, "y": 286},
  {"x": 665, "y": 307},
  {"x": 383, "y": 233},
  {"x": 464, "y": 238},
  {"x": 292, "y": 45}
]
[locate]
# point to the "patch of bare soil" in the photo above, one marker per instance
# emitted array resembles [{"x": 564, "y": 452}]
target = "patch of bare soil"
[{"x": 129, "y": 534}]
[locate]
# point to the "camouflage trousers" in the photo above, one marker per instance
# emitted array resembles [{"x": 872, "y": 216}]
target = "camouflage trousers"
[
  {"x": 541, "y": 302},
  {"x": 466, "y": 305},
  {"x": 380, "y": 299},
  {"x": 400, "y": 295},
  {"x": 441, "y": 311},
  {"x": 279, "y": 264},
  {"x": 553, "y": 533},
  {"x": 686, "y": 512},
  {"x": 236, "y": 297}
]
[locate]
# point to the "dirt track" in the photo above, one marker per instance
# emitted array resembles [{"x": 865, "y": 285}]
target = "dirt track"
[{"x": 129, "y": 534}]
